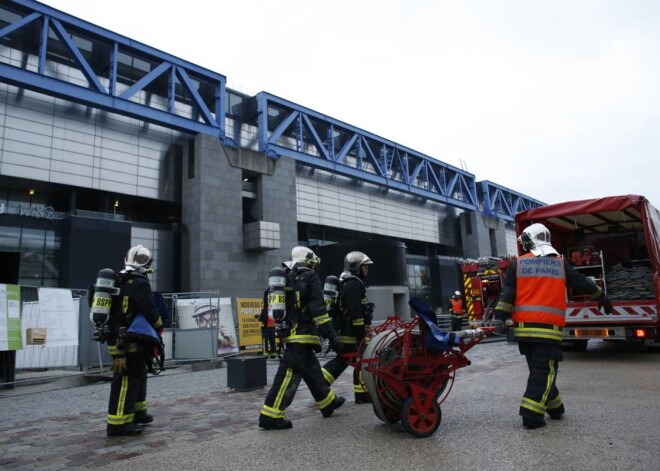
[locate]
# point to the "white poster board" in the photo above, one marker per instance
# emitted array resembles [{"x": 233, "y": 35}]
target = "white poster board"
[
  {"x": 206, "y": 313},
  {"x": 58, "y": 317}
]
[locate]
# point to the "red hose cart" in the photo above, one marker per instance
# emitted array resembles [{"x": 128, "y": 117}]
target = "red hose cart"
[{"x": 408, "y": 368}]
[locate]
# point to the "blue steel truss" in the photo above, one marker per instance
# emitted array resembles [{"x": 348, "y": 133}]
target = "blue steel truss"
[
  {"x": 57, "y": 29},
  {"x": 325, "y": 143},
  {"x": 500, "y": 202}
]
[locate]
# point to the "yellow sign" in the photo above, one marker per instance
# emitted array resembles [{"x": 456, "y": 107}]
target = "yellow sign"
[{"x": 249, "y": 327}]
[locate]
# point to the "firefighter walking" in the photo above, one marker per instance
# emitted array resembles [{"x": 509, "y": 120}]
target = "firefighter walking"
[
  {"x": 352, "y": 314},
  {"x": 127, "y": 406},
  {"x": 457, "y": 311},
  {"x": 305, "y": 318},
  {"x": 533, "y": 302}
]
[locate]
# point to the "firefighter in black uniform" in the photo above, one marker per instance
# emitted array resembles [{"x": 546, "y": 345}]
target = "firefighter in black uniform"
[
  {"x": 267, "y": 330},
  {"x": 127, "y": 407},
  {"x": 535, "y": 293},
  {"x": 306, "y": 318},
  {"x": 353, "y": 315}
]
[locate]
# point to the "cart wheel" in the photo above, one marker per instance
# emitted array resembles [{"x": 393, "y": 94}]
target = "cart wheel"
[
  {"x": 424, "y": 423},
  {"x": 391, "y": 417}
]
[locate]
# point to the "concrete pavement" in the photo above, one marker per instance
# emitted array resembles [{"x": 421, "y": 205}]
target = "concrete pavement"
[{"x": 611, "y": 393}]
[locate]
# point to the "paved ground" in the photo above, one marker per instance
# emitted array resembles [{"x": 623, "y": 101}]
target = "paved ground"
[{"x": 611, "y": 394}]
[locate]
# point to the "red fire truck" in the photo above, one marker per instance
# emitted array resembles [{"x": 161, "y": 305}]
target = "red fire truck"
[
  {"x": 482, "y": 285},
  {"x": 616, "y": 241}
]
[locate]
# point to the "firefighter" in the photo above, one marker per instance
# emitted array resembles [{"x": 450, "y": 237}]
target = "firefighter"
[
  {"x": 305, "y": 318},
  {"x": 535, "y": 293},
  {"x": 353, "y": 315},
  {"x": 457, "y": 312},
  {"x": 267, "y": 330},
  {"x": 127, "y": 407}
]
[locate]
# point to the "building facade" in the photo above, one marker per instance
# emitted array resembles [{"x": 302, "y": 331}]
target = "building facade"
[{"x": 141, "y": 160}]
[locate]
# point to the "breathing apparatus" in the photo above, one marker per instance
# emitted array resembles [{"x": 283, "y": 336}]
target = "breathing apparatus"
[{"x": 101, "y": 303}]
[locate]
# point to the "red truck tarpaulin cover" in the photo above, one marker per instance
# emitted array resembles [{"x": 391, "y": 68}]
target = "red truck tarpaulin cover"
[{"x": 595, "y": 214}]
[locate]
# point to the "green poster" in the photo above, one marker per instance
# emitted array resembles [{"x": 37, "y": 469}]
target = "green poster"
[{"x": 10, "y": 318}]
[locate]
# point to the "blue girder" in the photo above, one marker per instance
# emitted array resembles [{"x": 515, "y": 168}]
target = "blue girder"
[
  {"x": 326, "y": 143},
  {"x": 500, "y": 202},
  {"x": 207, "y": 120}
]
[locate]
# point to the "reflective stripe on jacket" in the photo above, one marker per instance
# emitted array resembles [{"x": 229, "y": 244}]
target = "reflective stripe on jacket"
[{"x": 540, "y": 306}]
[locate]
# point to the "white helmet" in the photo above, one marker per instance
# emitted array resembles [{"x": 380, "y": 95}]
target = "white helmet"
[
  {"x": 536, "y": 239},
  {"x": 302, "y": 254},
  {"x": 457, "y": 293},
  {"x": 138, "y": 258},
  {"x": 354, "y": 260}
]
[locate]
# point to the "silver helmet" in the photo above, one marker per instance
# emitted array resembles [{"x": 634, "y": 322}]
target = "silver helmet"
[
  {"x": 354, "y": 260},
  {"x": 138, "y": 258},
  {"x": 536, "y": 239},
  {"x": 304, "y": 255}
]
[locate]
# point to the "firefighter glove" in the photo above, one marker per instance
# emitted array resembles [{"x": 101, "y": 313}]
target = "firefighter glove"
[
  {"x": 335, "y": 344},
  {"x": 118, "y": 365},
  {"x": 360, "y": 331},
  {"x": 500, "y": 315},
  {"x": 501, "y": 328},
  {"x": 604, "y": 303}
]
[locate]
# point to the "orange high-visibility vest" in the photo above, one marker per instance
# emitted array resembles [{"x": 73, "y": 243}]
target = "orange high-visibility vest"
[
  {"x": 456, "y": 305},
  {"x": 540, "y": 291}
]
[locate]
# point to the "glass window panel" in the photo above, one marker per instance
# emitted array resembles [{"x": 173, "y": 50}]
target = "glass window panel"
[
  {"x": 52, "y": 241},
  {"x": 10, "y": 238},
  {"x": 32, "y": 240},
  {"x": 31, "y": 268}
]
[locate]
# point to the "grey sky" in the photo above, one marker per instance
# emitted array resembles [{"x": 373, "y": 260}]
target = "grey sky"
[{"x": 557, "y": 100}]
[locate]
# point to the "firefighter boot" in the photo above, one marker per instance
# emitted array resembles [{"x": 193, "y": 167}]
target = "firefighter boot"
[
  {"x": 143, "y": 418},
  {"x": 123, "y": 430},
  {"x": 531, "y": 423},
  {"x": 363, "y": 398},
  {"x": 556, "y": 414},
  {"x": 334, "y": 405},
  {"x": 268, "y": 423}
]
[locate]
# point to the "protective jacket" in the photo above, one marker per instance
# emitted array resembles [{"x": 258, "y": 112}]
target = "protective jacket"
[
  {"x": 353, "y": 309},
  {"x": 134, "y": 296},
  {"x": 535, "y": 292},
  {"x": 456, "y": 306},
  {"x": 306, "y": 309}
]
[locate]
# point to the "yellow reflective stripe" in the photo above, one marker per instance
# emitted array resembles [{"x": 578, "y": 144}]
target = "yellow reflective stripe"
[
  {"x": 534, "y": 332},
  {"x": 549, "y": 381},
  {"x": 119, "y": 418},
  {"x": 327, "y": 401},
  {"x": 270, "y": 412},
  {"x": 359, "y": 321},
  {"x": 554, "y": 403},
  {"x": 308, "y": 339},
  {"x": 532, "y": 405},
  {"x": 113, "y": 350},
  {"x": 328, "y": 376},
  {"x": 357, "y": 388},
  {"x": 140, "y": 406},
  {"x": 504, "y": 306},
  {"x": 280, "y": 394},
  {"x": 322, "y": 319},
  {"x": 347, "y": 339}
]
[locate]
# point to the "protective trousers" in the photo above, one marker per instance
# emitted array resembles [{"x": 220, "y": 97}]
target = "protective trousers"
[
  {"x": 298, "y": 363},
  {"x": 268, "y": 335},
  {"x": 541, "y": 395},
  {"x": 336, "y": 366},
  {"x": 128, "y": 392},
  {"x": 456, "y": 322}
]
